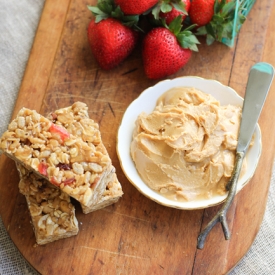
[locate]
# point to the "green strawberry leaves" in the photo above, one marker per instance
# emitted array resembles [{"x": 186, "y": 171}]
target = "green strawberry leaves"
[
  {"x": 175, "y": 26},
  {"x": 180, "y": 6},
  {"x": 185, "y": 37},
  {"x": 222, "y": 26},
  {"x": 99, "y": 14},
  {"x": 166, "y": 6},
  {"x": 107, "y": 8},
  {"x": 102, "y": 10}
]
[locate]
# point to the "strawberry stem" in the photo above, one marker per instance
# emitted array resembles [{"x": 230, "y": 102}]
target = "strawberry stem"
[
  {"x": 185, "y": 37},
  {"x": 166, "y": 6},
  {"x": 107, "y": 8}
]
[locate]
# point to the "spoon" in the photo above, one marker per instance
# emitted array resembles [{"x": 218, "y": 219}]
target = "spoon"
[{"x": 258, "y": 85}]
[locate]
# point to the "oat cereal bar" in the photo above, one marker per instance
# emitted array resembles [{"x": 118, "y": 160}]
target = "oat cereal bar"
[
  {"x": 52, "y": 214},
  {"x": 76, "y": 162},
  {"x": 76, "y": 121}
]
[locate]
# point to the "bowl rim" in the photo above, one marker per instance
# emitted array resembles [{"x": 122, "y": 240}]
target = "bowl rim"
[{"x": 173, "y": 203}]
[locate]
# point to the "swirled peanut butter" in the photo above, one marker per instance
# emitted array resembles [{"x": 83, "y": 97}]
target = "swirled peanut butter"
[{"x": 185, "y": 149}]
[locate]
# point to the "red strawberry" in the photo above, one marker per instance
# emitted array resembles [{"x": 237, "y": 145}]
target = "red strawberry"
[
  {"x": 162, "y": 55},
  {"x": 111, "y": 42},
  {"x": 165, "y": 51},
  {"x": 201, "y": 11},
  {"x": 179, "y": 9},
  {"x": 134, "y": 7}
]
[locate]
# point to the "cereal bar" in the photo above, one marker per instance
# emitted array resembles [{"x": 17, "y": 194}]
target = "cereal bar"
[
  {"x": 75, "y": 161},
  {"x": 52, "y": 214},
  {"x": 76, "y": 121}
]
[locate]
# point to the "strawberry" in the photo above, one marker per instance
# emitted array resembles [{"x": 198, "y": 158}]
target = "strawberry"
[
  {"x": 201, "y": 11},
  {"x": 134, "y": 7},
  {"x": 111, "y": 34},
  {"x": 170, "y": 9},
  {"x": 220, "y": 27},
  {"x": 110, "y": 42},
  {"x": 167, "y": 49}
]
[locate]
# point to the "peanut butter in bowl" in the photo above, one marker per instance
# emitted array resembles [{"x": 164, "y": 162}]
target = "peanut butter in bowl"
[
  {"x": 177, "y": 142},
  {"x": 185, "y": 148}
]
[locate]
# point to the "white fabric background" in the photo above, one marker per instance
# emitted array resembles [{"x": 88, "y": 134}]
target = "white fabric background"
[{"x": 18, "y": 23}]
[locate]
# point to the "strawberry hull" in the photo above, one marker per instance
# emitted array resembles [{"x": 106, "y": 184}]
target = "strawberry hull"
[{"x": 170, "y": 16}]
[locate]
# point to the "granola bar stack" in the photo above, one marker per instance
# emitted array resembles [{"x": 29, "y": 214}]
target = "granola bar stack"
[
  {"x": 64, "y": 151},
  {"x": 51, "y": 211}
]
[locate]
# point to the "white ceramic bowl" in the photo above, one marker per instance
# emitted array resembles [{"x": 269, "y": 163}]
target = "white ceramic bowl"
[{"x": 146, "y": 102}]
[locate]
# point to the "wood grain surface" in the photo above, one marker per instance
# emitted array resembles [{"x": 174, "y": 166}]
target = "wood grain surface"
[{"x": 135, "y": 235}]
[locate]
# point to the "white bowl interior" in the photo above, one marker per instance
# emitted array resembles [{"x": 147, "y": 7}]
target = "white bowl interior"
[{"x": 146, "y": 102}]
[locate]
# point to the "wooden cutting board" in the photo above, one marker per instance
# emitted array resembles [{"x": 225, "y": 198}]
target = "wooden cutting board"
[{"x": 135, "y": 235}]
